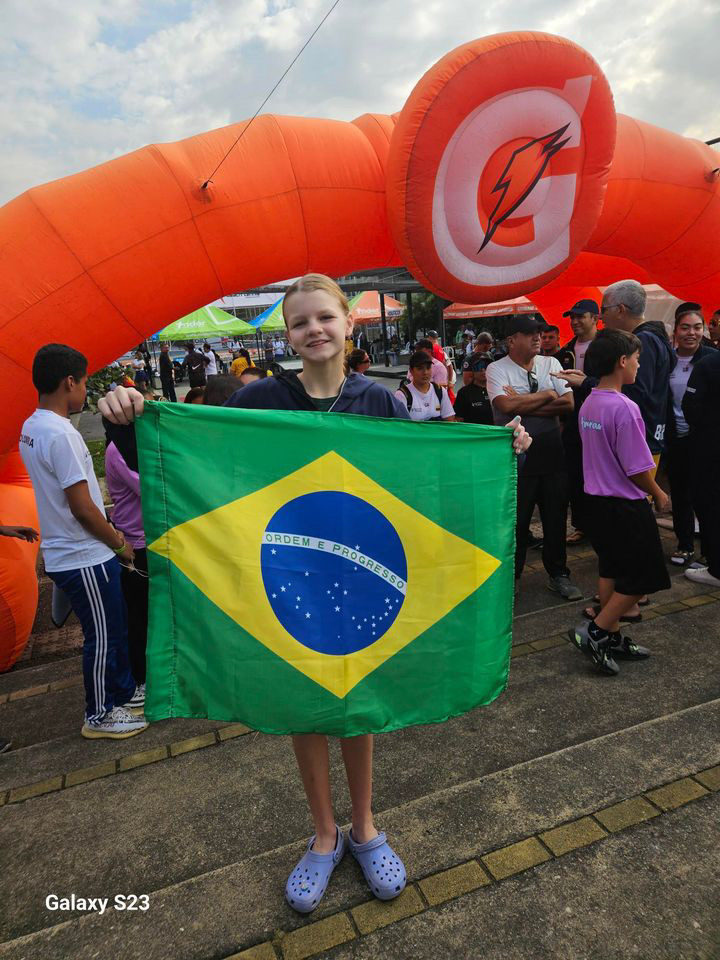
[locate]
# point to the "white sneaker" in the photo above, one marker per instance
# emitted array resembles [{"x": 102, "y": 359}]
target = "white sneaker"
[
  {"x": 702, "y": 575},
  {"x": 136, "y": 703},
  {"x": 116, "y": 725}
]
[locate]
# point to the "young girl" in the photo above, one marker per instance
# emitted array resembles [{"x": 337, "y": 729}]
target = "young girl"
[{"x": 318, "y": 322}]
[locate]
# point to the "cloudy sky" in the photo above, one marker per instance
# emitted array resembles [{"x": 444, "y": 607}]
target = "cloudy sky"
[{"x": 87, "y": 80}]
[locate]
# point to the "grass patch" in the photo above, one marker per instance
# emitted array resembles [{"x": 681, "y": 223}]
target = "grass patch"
[{"x": 97, "y": 452}]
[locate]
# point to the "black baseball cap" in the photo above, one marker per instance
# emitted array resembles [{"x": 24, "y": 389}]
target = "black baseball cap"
[
  {"x": 581, "y": 307},
  {"x": 525, "y": 323},
  {"x": 477, "y": 363},
  {"x": 687, "y": 307}
]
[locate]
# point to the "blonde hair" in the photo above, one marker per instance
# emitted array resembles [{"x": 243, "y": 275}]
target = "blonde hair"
[{"x": 316, "y": 281}]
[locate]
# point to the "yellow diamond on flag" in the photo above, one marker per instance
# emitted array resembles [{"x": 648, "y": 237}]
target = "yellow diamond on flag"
[{"x": 327, "y": 569}]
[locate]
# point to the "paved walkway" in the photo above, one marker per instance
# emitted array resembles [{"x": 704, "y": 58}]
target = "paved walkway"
[{"x": 575, "y": 817}]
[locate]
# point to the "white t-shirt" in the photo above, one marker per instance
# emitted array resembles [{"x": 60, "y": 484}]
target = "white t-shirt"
[
  {"x": 211, "y": 368},
  {"x": 546, "y": 453},
  {"x": 506, "y": 372},
  {"x": 426, "y": 406},
  {"x": 55, "y": 456},
  {"x": 580, "y": 351}
]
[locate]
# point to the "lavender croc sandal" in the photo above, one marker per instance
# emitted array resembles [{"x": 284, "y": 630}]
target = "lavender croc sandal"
[
  {"x": 383, "y": 869},
  {"x": 308, "y": 881}
]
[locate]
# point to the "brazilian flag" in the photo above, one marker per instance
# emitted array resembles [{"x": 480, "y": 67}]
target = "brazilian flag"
[{"x": 325, "y": 573}]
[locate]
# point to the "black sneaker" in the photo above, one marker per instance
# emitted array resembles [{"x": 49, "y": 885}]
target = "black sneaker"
[
  {"x": 624, "y": 648},
  {"x": 579, "y": 636},
  {"x": 564, "y": 586},
  {"x": 533, "y": 542},
  {"x": 600, "y": 656}
]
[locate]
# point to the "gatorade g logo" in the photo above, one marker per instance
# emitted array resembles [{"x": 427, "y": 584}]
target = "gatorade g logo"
[
  {"x": 497, "y": 166},
  {"x": 506, "y": 187}
]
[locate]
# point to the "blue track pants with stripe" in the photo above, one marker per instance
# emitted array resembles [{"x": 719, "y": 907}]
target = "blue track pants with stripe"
[{"x": 97, "y": 599}]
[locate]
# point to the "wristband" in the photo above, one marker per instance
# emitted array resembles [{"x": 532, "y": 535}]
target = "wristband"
[{"x": 119, "y": 549}]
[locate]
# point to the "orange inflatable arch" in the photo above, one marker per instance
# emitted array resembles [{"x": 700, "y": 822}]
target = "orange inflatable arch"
[{"x": 506, "y": 171}]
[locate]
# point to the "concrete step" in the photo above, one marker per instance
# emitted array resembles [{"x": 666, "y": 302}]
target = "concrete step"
[
  {"x": 30, "y": 675},
  {"x": 633, "y": 895},
  {"x": 556, "y": 699},
  {"x": 211, "y": 913},
  {"x": 201, "y": 811}
]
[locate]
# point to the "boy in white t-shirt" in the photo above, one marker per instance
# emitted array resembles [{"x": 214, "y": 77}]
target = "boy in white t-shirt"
[
  {"x": 425, "y": 400},
  {"x": 81, "y": 549}
]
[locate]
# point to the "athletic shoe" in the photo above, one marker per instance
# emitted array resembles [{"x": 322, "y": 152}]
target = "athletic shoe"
[
  {"x": 600, "y": 656},
  {"x": 702, "y": 575},
  {"x": 116, "y": 725},
  {"x": 698, "y": 564},
  {"x": 565, "y": 588},
  {"x": 5, "y": 746},
  {"x": 136, "y": 703},
  {"x": 533, "y": 542},
  {"x": 579, "y": 636},
  {"x": 624, "y": 648},
  {"x": 682, "y": 557}
]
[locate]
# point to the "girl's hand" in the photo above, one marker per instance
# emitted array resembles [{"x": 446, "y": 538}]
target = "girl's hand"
[
  {"x": 521, "y": 438},
  {"x": 122, "y": 405}
]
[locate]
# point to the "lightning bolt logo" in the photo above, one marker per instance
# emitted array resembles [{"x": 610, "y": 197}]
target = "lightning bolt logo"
[{"x": 520, "y": 177}]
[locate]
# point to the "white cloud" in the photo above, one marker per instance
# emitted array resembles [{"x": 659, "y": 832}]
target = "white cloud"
[{"x": 86, "y": 80}]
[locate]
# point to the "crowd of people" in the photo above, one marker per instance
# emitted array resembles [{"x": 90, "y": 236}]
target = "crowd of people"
[{"x": 590, "y": 422}]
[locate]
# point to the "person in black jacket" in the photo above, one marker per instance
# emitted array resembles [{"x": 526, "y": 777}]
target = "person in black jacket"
[
  {"x": 623, "y": 308},
  {"x": 700, "y": 407},
  {"x": 196, "y": 364},
  {"x": 167, "y": 376},
  {"x": 689, "y": 328}
]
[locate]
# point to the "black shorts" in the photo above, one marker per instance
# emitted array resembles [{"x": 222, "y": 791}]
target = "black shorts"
[{"x": 625, "y": 537}]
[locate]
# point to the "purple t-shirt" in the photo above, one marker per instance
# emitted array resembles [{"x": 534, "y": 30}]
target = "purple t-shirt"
[
  {"x": 124, "y": 488},
  {"x": 613, "y": 445}
]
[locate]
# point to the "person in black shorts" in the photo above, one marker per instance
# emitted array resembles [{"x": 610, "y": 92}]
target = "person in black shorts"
[{"x": 619, "y": 476}]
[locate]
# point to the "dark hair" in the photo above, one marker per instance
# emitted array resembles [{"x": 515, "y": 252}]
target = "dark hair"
[
  {"x": 355, "y": 358},
  {"x": 424, "y": 344},
  {"x": 193, "y": 393},
  {"x": 550, "y": 327},
  {"x": 419, "y": 359},
  {"x": 220, "y": 387},
  {"x": 607, "y": 348},
  {"x": 255, "y": 371},
  {"x": 244, "y": 353},
  {"x": 53, "y": 363}
]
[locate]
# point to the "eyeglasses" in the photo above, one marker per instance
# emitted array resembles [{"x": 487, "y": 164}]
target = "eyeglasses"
[
  {"x": 612, "y": 306},
  {"x": 532, "y": 382}
]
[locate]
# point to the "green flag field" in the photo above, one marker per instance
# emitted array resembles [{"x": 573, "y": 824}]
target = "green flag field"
[{"x": 325, "y": 573}]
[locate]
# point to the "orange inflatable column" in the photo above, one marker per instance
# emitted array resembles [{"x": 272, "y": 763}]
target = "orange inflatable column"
[{"x": 18, "y": 558}]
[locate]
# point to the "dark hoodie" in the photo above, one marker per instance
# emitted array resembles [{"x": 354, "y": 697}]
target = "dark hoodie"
[
  {"x": 286, "y": 392},
  {"x": 651, "y": 390}
]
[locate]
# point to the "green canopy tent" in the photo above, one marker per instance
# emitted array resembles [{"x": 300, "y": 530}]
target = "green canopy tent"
[{"x": 205, "y": 323}]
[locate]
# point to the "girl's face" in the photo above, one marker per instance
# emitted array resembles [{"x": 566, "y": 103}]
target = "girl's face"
[{"x": 317, "y": 325}]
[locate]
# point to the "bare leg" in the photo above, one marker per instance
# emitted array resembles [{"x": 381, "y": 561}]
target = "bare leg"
[
  {"x": 311, "y": 753},
  {"x": 616, "y": 606},
  {"x": 357, "y": 753}
]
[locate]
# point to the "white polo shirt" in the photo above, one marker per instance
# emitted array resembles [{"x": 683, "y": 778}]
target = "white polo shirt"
[
  {"x": 55, "y": 457},
  {"x": 426, "y": 406}
]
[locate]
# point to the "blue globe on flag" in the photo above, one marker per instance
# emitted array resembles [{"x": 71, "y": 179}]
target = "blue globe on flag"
[{"x": 334, "y": 571}]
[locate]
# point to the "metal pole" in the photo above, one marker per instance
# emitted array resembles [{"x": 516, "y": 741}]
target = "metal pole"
[
  {"x": 411, "y": 319},
  {"x": 384, "y": 328}
]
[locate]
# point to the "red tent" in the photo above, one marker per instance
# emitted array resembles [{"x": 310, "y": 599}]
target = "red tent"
[
  {"x": 469, "y": 311},
  {"x": 365, "y": 307}
]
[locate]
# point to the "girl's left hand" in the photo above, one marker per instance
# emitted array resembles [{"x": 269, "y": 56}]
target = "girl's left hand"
[{"x": 521, "y": 438}]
